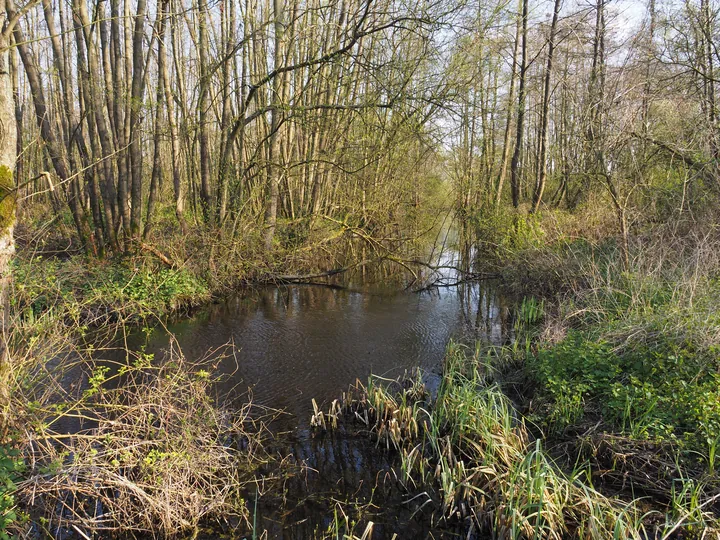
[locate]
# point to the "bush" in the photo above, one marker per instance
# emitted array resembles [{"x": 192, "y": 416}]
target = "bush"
[{"x": 157, "y": 454}]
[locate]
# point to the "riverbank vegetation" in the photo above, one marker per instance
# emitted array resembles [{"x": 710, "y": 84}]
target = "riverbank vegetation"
[
  {"x": 476, "y": 462},
  {"x": 155, "y": 156}
]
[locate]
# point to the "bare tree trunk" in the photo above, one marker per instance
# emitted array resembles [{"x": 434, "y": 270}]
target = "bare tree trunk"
[
  {"x": 170, "y": 106},
  {"x": 160, "y": 94},
  {"x": 274, "y": 171},
  {"x": 138, "y": 87},
  {"x": 8, "y": 146},
  {"x": 120, "y": 134},
  {"x": 520, "y": 128},
  {"x": 648, "y": 72},
  {"x": 203, "y": 106},
  {"x": 712, "y": 114},
  {"x": 18, "y": 115},
  {"x": 508, "y": 124},
  {"x": 229, "y": 42},
  {"x": 545, "y": 113}
]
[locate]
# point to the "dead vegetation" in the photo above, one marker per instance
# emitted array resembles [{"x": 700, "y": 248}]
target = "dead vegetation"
[{"x": 140, "y": 446}]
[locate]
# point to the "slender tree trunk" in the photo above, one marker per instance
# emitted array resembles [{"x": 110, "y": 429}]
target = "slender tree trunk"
[
  {"x": 229, "y": 41},
  {"x": 19, "y": 173},
  {"x": 648, "y": 72},
  {"x": 136, "y": 154},
  {"x": 274, "y": 169},
  {"x": 511, "y": 99},
  {"x": 8, "y": 146},
  {"x": 120, "y": 134},
  {"x": 203, "y": 109},
  {"x": 545, "y": 114},
  {"x": 520, "y": 128},
  {"x": 709, "y": 52},
  {"x": 178, "y": 192},
  {"x": 160, "y": 95}
]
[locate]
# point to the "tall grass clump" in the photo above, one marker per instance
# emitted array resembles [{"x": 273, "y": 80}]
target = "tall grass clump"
[{"x": 472, "y": 446}]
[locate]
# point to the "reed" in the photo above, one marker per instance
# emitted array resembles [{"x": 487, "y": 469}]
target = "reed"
[{"x": 473, "y": 447}]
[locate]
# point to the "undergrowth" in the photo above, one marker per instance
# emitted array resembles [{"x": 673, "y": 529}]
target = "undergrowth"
[
  {"x": 81, "y": 292},
  {"x": 133, "y": 445},
  {"x": 636, "y": 347},
  {"x": 11, "y": 467},
  {"x": 472, "y": 447}
]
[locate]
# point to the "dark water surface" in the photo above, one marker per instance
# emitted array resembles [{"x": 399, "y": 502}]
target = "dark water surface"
[{"x": 291, "y": 344}]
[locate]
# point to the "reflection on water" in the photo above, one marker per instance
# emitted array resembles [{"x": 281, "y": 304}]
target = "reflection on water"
[{"x": 295, "y": 343}]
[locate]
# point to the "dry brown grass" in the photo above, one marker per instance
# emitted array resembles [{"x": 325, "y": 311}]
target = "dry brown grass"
[{"x": 135, "y": 447}]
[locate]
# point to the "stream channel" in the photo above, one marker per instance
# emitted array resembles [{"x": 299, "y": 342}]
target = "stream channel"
[{"x": 287, "y": 345}]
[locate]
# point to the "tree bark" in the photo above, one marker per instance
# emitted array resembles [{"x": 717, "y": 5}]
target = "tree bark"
[
  {"x": 172, "y": 124},
  {"x": 274, "y": 169},
  {"x": 8, "y": 155},
  {"x": 520, "y": 128},
  {"x": 136, "y": 154},
  {"x": 545, "y": 113},
  {"x": 203, "y": 106},
  {"x": 508, "y": 124}
]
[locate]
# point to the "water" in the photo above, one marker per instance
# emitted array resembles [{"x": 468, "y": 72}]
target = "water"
[
  {"x": 287, "y": 345},
  {"x": 291, "y": 344}
]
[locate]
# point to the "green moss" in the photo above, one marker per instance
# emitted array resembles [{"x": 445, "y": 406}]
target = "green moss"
[{"x": 7, "y": 198}]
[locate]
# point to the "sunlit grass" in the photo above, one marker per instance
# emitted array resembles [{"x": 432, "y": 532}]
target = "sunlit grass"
[{"x": 475, "y": 449}]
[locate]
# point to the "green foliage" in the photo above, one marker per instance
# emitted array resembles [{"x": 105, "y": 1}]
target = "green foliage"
[
  {"x": 10, "y": 467},
  {"x": 76, "y": 289},
  {"x": 503, "y": 234},
  {"x": 96, "y": 380},
  {"x": 667, "y": 389},
  {"x": 157, "y": 290}
]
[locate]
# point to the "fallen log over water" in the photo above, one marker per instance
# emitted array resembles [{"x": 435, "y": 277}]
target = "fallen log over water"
[{"x": 436, "y": 280}]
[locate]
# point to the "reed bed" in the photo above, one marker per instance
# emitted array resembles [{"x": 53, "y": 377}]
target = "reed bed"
[{"x": 471, "y": 446}]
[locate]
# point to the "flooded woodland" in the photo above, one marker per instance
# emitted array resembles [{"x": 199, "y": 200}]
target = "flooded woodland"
[{"x": 359, "y": 269}]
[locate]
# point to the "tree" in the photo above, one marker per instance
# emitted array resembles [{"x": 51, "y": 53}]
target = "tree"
[
  {"x": 515, "y": 163},
  {"x": 545, "y": 112},
  {"x": 8, "y": 149}
]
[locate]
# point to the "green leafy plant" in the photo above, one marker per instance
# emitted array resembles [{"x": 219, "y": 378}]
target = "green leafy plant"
[{"x": 11, "y": 465}]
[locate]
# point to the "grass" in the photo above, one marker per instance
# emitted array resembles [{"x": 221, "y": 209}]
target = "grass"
[
  {"x": 619, "y": 363},
  {"x": 634, "y": 346},
  {"x": 475, "y": 450},
  {"x": 637, "y": 348},
  {"x": 85, "y": 293}
]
